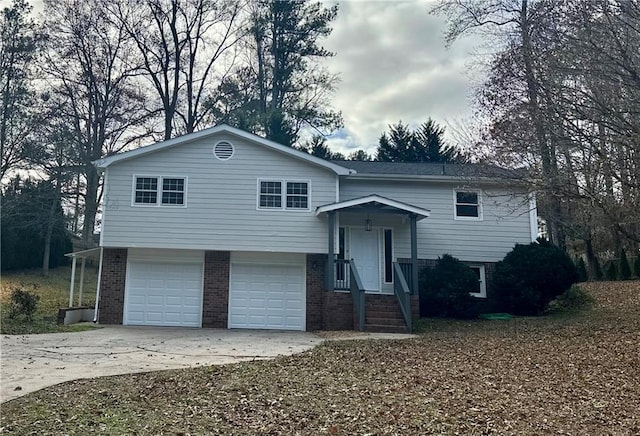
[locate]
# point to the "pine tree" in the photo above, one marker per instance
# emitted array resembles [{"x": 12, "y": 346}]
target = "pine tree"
[{"x": 426, "y": 144}]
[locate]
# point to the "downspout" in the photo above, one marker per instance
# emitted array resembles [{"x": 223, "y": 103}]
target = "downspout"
[
  {"x": 533, "y": 216},
  {"x": 95, "y": 311}
]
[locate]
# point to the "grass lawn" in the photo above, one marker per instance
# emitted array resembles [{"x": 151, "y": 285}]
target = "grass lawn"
[
  {"x": 54, "y": 294},
  {"x": 575, "y": 373}
]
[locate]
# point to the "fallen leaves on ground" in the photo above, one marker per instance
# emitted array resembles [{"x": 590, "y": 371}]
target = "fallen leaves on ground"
[{"x": 564, "y": 374}]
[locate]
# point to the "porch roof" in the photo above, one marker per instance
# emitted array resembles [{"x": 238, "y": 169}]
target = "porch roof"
[
  {"x": 83, "y": 254},
  {"x": 374, "y": 204}
]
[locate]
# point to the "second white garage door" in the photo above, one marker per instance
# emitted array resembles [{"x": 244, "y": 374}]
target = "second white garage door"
[{"x": 267, "y": 296}]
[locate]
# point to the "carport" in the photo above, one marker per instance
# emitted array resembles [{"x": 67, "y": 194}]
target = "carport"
[{"x": 83, "y": 255}]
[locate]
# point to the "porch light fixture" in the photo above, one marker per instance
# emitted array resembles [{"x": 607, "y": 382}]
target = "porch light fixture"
[{"x": 368, "y": 225}]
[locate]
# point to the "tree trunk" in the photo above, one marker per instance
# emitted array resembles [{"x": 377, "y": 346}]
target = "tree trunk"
[
  {"x": 591, "y": 258},
  {"x": 50, "y": 225},
  {"x": 546, "y": 151},
  {"x": 90, "y": 205}
]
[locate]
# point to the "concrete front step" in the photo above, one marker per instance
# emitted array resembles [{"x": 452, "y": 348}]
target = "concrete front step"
[
  {"x": 384, "y": 321},
  {"x": 397, "y": 317},
  {"x": 374, "y": 328}
]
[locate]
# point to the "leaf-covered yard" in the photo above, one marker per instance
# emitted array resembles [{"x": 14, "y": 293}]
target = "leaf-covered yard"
[{"x": 562, "y": 374}]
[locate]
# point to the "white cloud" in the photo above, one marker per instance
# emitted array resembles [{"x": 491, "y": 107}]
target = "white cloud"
[{"x": 394, "y": 65}]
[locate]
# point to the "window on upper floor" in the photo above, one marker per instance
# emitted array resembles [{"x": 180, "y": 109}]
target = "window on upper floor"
[
  {"x": 271, "y": 194},
  {"x": 468, "y": 205},
  {"x": 159, "y": 191},
  {"x": 481, "y": 290}
]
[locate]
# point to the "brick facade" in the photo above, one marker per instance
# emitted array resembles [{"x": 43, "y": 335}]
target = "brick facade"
[
  {"x": 338, "y": 311},
  {"x": 325, "y": 310},
  {"x": 112, "y": 282},
  {"x": 316, "y": 269},
  {"x": 215, "y": 304}
]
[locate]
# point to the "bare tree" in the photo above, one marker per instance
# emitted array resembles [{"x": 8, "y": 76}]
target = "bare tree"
[
  {"x": 562, "y": 97},
  {"x": 186, "y": 48},
  {"x": 87, "y": 65}
]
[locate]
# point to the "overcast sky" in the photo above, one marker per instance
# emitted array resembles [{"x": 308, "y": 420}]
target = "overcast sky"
[{"x": 394, "y": 65}]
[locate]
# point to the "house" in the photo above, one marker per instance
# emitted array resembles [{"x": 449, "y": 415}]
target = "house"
[{"x": 222, "y": 228}]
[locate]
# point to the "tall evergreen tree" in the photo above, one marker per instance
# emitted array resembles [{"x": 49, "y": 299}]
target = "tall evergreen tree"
[
  {"x": 317, "y": 146},
  {"x": 18, "y": 44},
  {"x": 425, "y": 144},
  {"x": 285, "y": 88},
  {"x": 397, "y": 145},
  {"x": 360, "y": 155}
]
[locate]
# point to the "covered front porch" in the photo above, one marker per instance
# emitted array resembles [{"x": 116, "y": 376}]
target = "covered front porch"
[{"x": 363, "y": 235}]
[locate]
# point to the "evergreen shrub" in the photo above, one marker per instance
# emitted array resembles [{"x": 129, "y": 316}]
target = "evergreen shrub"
[
  {"x": 444, "y": 289},
  {"x": 531, "y": 276}
]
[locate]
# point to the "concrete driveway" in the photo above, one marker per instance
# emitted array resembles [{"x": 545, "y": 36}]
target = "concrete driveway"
[{"x": 32, "y": 362}]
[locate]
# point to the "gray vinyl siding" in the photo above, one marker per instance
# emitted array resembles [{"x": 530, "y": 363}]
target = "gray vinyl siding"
[
  {"x": 505, "y": 219},
  {"x": 221, "y": 201}
]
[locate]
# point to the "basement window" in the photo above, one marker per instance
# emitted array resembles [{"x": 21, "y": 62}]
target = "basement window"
[{"x": 481, "y": 289}]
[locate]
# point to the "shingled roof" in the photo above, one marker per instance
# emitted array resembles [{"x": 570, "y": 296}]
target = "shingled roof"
[{"x": 431, "y": 169}]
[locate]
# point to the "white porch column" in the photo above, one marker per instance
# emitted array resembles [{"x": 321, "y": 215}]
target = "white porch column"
[
  {"x": 73, "y": 281},
  {"x": 414, "y": 254},
  {"x": 84, "y": 259},
  {"x": 331, "y": 264}
]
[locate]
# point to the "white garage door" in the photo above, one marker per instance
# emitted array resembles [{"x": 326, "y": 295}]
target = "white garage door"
[
  {"x": 264, "y": 296},
  {"x": 163, "y": 294}
]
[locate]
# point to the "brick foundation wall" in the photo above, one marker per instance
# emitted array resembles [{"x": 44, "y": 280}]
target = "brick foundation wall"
[
  {"x": 316, "y": 267},
  {"x": 215, "y": 304},
  {"x": 338, "y": 311},
  {"x": 112, "y": 282},
  {"x": 325, "y": 310}
]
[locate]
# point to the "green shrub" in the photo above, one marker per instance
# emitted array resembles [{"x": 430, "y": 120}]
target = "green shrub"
[
  {"x": 581, "y": 268},
  {"x": 23, "y": 303},
  {"x": 573, "y": 299},
  {"x": 444, "y": 289},
  {"x": 636, "y": 266},
  {"x": 530, "y": 276},
  {"x": 612, "y": 272},
  {"x": 625, "y": 270}
]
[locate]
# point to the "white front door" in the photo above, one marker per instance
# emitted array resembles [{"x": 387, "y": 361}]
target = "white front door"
[{"x": 364, "y": 250}]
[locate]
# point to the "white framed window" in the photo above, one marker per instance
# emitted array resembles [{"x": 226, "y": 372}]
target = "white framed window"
[
  {"x": 481, "y": 290},
  {"x": 467, "y": 205},
  {"x": 284, "y": 194},
  {"x": 159, "y": 191},
  {"x": 270, "y": 196}
]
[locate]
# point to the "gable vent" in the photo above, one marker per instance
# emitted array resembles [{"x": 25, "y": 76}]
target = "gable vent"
[{"x": 223, "y": 150}]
